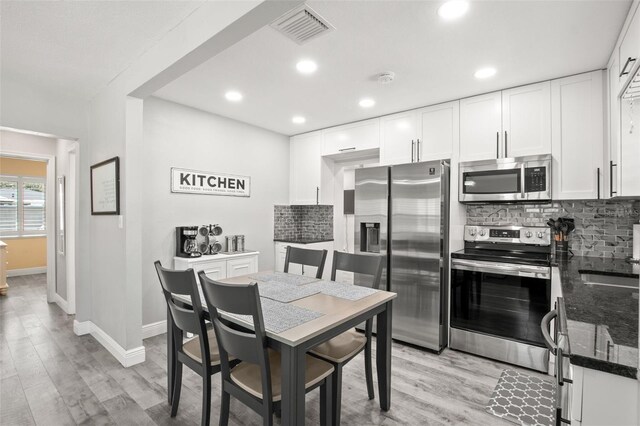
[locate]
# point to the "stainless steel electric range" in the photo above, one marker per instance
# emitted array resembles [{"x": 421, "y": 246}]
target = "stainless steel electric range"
[{"x": 500, "y": 291}]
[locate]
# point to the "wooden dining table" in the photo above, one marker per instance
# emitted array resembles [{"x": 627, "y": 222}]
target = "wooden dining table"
[{"x": 339, "y": 315}]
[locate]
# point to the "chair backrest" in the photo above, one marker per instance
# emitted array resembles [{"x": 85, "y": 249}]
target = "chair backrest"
[
  {"x": 239, "y": 299},
  {"x": 359, "y": 264},
  {"x": 185, "y": 319},
  {"x": 306, "y": 257}
]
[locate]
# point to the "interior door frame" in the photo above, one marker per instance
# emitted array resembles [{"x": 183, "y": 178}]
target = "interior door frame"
[
  {"x": 50, "y": 212},
  {"x": 72, "y": 214}
]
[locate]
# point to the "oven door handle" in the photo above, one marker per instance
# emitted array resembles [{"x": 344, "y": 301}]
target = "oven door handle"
[
  {"x": 505, "y": 269},
  {"x": 544, "y": 326}
]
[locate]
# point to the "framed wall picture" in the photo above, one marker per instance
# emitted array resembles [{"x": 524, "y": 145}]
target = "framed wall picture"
[{"x": 105, "y": 187}]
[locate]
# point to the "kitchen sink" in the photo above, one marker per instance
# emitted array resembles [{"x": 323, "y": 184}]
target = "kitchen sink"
[{"x": 609, "y": 280}]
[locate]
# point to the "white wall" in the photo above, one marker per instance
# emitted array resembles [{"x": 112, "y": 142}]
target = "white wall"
[
  {"x": 179, "y": 136},
  {"x": 26, "y": 143}
]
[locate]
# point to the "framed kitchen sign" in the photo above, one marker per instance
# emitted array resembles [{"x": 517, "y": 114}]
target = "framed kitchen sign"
[
  {"x": 210, "y": 183},
  {"x": 105, "y": 187}
]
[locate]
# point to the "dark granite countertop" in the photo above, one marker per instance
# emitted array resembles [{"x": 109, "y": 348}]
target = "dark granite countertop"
[
  {"x": 602, "y": 321},
  {"x": 302, "y": 240}
]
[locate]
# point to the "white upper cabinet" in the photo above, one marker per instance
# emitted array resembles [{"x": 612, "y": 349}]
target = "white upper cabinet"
[
  {"x": 628, "y": 165},
  {"x": 423, "y": 134},
  {"x": 398, "y": 134},
  {"x": 359, "y": 136},
  {"x": 510, "y": 123},
  {"x": 577, "y": 133},
  {"x": 304, "y": 170},
  {"x": 480, "y": 127},
  {"x": 438, "y": 131},
  {"x": 630, "y": 47},
  {"x": 526, "y": 120},
  {"x": 610, "y": 171}
]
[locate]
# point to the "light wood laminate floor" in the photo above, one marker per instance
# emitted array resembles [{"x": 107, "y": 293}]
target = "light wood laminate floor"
[{"x": 49, "y": 376}]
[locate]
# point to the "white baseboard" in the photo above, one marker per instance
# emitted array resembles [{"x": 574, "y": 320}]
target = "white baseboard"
[
  {"x": 154, "y": 329},
  {"x": 64, "y": 305},
  {"x": 126, "y": 357},
  {"x": 26, "y": 271}
]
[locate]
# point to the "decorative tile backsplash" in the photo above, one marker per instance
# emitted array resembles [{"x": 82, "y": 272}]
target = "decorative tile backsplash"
[
  {"x": 604, "y": 228},
  {"x": 312, "y": 222}
]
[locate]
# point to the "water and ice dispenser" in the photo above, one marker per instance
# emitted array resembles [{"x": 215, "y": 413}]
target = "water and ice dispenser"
[{"x": 370, "y": 237}]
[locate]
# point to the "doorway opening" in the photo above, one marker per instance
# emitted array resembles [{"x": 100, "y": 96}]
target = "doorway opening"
[{"x": 38, "y": 190}]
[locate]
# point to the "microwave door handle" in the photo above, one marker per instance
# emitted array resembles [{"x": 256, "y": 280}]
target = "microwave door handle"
[{"x": 522, "y": 181}]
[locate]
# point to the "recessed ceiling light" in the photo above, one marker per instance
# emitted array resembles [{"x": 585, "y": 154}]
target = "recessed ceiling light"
[
  {"x": 485, "y": 73},
  {"x": 453, "y": 9},
  {"x": 233, "y": 96},
  {"x": 306, "y": 66},
  {"x": 298, "y": 119},
  {"x": 367, "y": 103}
]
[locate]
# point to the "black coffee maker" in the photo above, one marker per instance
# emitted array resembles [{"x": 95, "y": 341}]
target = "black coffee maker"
[{"x": 186, "y": 245}]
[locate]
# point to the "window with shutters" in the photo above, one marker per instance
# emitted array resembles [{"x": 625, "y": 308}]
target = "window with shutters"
[{"x": 22, "y": 206}]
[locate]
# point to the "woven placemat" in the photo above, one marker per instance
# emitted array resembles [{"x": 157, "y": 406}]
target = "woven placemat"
[
  {"x": 283, "y": 278},
  {"x": 279, "y": 317},
  {"x": 342, "y": 290},
  {"x": 285, "y": 292},
  {"x": 523, "y": 399}
]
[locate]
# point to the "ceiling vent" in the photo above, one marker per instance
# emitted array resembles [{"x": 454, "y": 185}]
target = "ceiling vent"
[{"x": 302, "y": 24}]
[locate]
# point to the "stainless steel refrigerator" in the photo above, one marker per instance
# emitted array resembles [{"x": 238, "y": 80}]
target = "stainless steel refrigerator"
[{"x": 402, "y": 213}]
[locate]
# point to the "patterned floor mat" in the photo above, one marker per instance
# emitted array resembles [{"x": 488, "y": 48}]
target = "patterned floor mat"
[{"x": 523, "y": 399}]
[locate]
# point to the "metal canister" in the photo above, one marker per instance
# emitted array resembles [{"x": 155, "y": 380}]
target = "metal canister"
[
  {"x": 231, "y": 243},
  {"x": 240, "y": 243}
]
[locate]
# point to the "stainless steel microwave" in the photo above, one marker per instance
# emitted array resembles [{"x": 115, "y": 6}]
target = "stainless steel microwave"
[{"x": 506, "y": 180}]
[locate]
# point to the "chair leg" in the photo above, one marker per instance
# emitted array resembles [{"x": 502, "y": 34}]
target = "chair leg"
[
  {"x": 368, "y": 368},
  {"x": 326, "y": 401},
  {"x": 224, "y": 407},
  {"x": 336, "y": 394},
  {"x": 206, "y": 397},
  {"x": 177, "y": 387}
]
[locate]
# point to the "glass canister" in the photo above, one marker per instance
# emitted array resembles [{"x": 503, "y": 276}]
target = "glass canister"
[{"x": 240, "y": 243}]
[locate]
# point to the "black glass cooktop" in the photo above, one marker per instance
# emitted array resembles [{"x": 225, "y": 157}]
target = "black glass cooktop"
[{"x": 504, "y": 256}]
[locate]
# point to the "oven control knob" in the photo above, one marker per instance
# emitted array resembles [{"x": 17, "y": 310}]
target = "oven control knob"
[
  {"x": 540, "y": 234},
  {"x": 528, "y": 234},
  {"x": 482, "y": 232},
  {"x": 472, "y": 232}
]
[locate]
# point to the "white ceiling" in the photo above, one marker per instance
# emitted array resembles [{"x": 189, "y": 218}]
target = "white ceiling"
[
  {"x": 77, "y": 47},
  {"x": 434, "y": 61}
]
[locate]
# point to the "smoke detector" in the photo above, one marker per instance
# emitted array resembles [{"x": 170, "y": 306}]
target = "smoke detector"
[
  {"x": 302, "y": 24},
  {"x": 386, "y": 77}
]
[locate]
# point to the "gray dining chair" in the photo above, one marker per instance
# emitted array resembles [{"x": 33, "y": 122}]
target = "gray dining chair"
[
  {"x": 344, "y": 347},
  {"x": 256, "y": 381},
  {"x": 201, "y": 353},
  {"x": 306, "y": 257}
]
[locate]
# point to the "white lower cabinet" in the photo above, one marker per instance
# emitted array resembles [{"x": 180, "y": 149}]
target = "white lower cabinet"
[
  {"x": 281, "y": 253},
  {"x": 220, "y": 266},
  {"x": 242, "y": 266},
  {"x": 600, "y": 398},
  {"x": 577, "y": 136}
]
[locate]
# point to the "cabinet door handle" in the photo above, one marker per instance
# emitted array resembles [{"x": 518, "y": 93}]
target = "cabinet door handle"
[
  {"x": 598, "y": 171},
  {"x": 413, "y": 149},
  {"x": 630, "y": 60},
  {"x": 317, "y": 195},
  {"x": 347, "y": 149},
  {"x": 611, "y": 166},
  {"x": 418, "y": 151},
  {"x": 497, "y": 144},
  {"x": 505, "y": 145}
]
